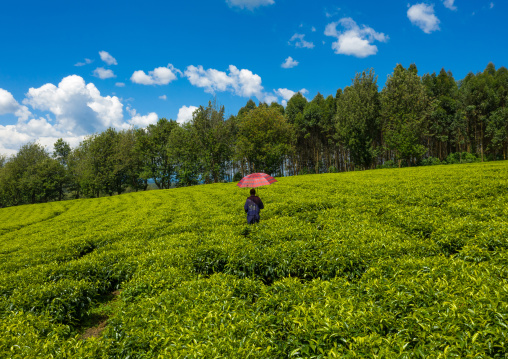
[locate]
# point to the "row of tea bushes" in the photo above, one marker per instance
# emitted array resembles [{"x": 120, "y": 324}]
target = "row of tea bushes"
[{"x": 394, "y": 263}]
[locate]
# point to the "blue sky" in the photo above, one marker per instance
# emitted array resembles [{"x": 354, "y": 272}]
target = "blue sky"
[{"x": 72, "y": 68}]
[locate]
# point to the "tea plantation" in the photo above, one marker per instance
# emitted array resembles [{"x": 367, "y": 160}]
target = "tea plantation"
[{"x": 395, "y": 263}]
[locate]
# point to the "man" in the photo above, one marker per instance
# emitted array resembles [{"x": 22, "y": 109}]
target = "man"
[{"x": 252, "y": 207}]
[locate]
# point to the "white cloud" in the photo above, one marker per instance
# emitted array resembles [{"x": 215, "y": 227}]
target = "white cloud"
[
  {"x": 107, "y": 58},
  {"x": 86, "y": 62},
  {"x": 269, "y": 98},
  {"x": 354, "y": 40},
  {"x": 11, "y": 139},
  {"x": 289, "y": 63},
  {"x": 286, "y": 94},
  {"x": 73, "y": 109},
  {"x": 185, "y": 114},
  {"x": 249, "y": 4},
  {"x": 491, "y": 5},
  {"x": 163, "y": 97},
  {"x": 300, "y": 42},
  {"x": 78, "y": 108},
  {"x": 241, "y": 82},
  {"x": 313, "y": 29},
  {"x": 120, "y": 84},
  {"x": 143, "y": 121},
  {"x": 9, "y": 105},
  {"x": 449, "y": 4},
  {"x": 159, "y": 76},
  {"x": 7, "y": 102},
  {"x": 38, "y": 128},
  {"x": 103, "y": 73},
  {"x": 422, "y": 15}
]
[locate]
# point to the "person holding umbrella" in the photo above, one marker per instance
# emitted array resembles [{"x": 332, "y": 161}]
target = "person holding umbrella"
[
  {"x": 252, "y": 207},
  {"x": 254, "y": 204}
]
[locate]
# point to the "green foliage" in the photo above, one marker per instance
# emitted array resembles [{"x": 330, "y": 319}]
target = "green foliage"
[
  {"x": 358, "y": 118},
  {"x": 264, "y": 139},
  {"x": 30, "y": 176},
  {"x": 405, "y": 110},
  {"x": 153, "y": 144},
  {"x": 395, "y": 263},
  {"x": 213, "y": 143},
  {"x": 464, "y": 157}
]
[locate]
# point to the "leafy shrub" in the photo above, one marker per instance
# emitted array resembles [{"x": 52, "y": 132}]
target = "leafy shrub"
[{"x": 430, "y": 161}]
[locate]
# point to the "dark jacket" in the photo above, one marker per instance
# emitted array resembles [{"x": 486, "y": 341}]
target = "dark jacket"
[{"x": 252, "y": 207}]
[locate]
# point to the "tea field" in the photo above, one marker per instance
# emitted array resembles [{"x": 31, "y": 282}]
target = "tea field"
[{"x": 394, "y": 263}]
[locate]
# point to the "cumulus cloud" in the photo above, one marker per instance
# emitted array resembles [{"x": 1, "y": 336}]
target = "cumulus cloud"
[
  {"x": 78, "y": 107},
  {"x": 9, "y": 105},
  {"x": 241, "y": 82},
  {"x": 185, "y": 114},
  {"x": 143, "y": 121},
  {"x": 163, "y": 97},
  {"x": 422, "y": 15},
  {"x": 269, "y": 98},
  {"x": 7, "y": 102},
  {"x": 491, "y": 5},
  {"x": 249, "y": 4},
  {"x": 449, "y": 4},
  {"x": 286, "y": 94},
  {"x": 354, "y": 40},
  {"x": 86, "y": 62},
  {"x": 289, "y": 63},
  {"x": 300, "y": 42},
  {"x": 159, "y": 76},
  {"x": 11, "y": 139},
  {"x": 103, "y": 73},
  {"x": 107, "y": 58},
  {"x": 74, "y": 109},
  {"x": 120, "y": 84}
]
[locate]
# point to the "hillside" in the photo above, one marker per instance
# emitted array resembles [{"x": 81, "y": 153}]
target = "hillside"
[{"x": 388, "y": 263}]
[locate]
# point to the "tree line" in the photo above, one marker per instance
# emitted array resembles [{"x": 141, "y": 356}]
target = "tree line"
[{"x": 413, "y": 120}]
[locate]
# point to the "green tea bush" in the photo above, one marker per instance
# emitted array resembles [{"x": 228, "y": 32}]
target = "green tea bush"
[{"x": 392, "y": 263}]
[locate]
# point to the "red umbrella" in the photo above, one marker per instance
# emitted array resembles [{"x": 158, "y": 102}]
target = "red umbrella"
[{"x": 256, "y": 180}]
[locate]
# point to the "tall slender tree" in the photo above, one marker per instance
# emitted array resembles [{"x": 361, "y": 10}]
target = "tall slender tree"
[
  {"x": 358, "y": 118},
  {"x": 405, "y": 108}
]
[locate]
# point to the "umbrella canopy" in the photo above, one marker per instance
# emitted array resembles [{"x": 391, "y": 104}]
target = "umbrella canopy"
[{"x": 256, "y": 180}]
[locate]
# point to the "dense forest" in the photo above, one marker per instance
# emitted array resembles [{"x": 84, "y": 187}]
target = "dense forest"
[{"x": 413, "y": 120}]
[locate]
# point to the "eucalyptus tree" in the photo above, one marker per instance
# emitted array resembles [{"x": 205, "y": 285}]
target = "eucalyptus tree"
[
  {"x": 249, "y": 106},
  {"x": 129, "y": 161},
  {"x": 405, "y": 110},
  {"x": 277, "y": 106},
  {"x": 294, "y": 114},
  {"x": 265, "y": 138},
  {"x": 497, "y": 121},
  {"x": 152, "y": 143},
  {"x": 328, "y": 131},
  {"x": 184, "y": 152},
  {"x": 358, "y": 118},
  {"x": 479, "y": 100},
  {"x": 61, "y": 152},
  {"x": 497, "y": 130},
  {"x": 443, "y": 90},
  {"x": 212, "y": 136}
]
